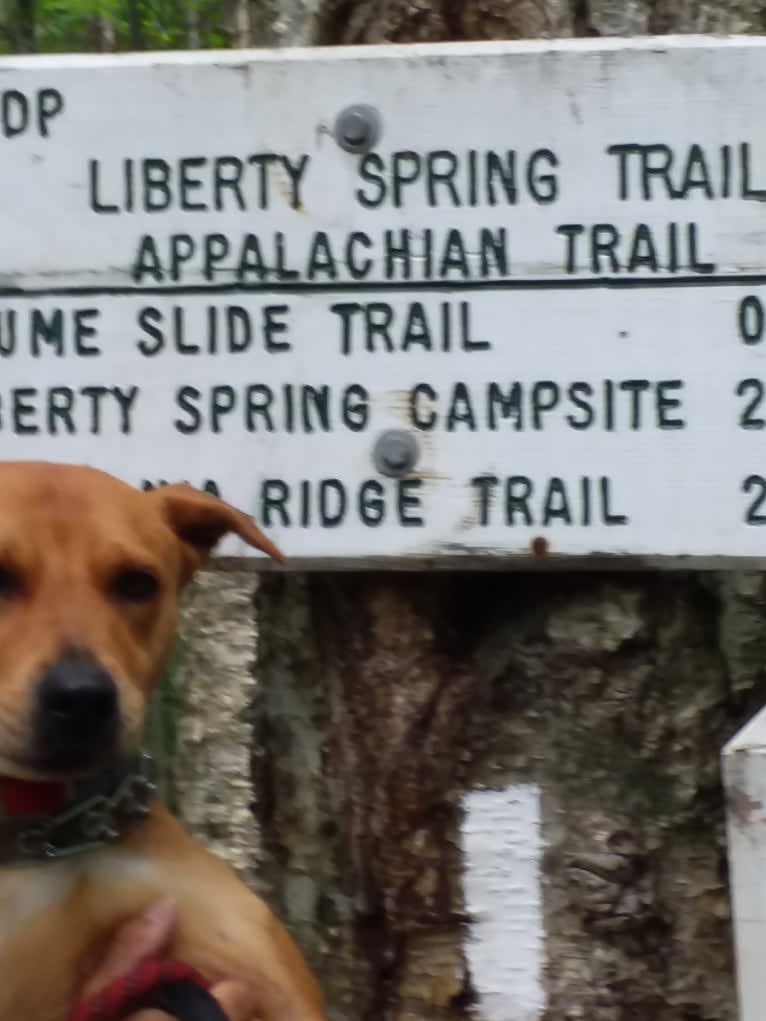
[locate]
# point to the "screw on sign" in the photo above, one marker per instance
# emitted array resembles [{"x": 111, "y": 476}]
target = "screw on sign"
[
  {"x": 357, "y": 128},
  {"x": 396, "y": 453}
]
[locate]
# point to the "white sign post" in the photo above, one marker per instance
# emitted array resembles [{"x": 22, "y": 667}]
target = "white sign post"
[
  {"x": 516, "y": 308},
  {"x": 744, "y": 772}
]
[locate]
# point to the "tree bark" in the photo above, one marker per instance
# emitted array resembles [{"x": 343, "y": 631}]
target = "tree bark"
[{"x": 24, "y": 29}]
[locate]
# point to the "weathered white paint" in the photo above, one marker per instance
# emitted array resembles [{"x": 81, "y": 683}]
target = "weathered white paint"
[
  {"x": 744, "y": 770},
  {"x": 679, "y": 490},
  {"x": 502, "y": 848}
]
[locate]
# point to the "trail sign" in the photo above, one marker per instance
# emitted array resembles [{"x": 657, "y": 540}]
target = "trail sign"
[{"x": 404, "y": 304}]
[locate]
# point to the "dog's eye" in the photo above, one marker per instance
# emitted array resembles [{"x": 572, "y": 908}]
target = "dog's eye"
[
  {"x": 9, "y": 583},
  {"x": 134, "y": 585}
]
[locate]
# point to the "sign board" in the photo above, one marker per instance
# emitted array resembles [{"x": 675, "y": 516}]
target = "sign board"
[{"x": 548, "y": 271}]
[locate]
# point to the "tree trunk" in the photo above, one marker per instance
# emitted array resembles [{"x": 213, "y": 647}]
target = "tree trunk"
[{"x": 23, "y": 31}]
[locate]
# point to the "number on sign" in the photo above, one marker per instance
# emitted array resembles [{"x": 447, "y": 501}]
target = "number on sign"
[
  {"x": 750, "y": 319},
  {"x": 754, "y": 389},
  {"x": 755, "y": 484}
]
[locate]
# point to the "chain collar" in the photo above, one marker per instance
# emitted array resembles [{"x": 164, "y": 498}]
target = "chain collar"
[{"x": 90, "y": 820}]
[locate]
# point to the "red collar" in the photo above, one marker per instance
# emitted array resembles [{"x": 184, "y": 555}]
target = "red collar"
[{"x": 32, "y": 797}]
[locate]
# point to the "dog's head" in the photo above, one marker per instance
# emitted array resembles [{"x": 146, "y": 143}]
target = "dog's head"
[{"x": 90, "y": 574}]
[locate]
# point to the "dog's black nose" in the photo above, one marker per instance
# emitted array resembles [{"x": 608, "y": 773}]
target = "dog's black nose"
[{"x": 77, "y": 700}]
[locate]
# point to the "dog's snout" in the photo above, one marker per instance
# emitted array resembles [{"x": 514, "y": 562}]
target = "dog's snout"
[{"x": 77, "y": 698}]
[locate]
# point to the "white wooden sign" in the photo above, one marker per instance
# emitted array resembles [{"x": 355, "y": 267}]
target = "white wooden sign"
[{"x": 548, "y": 272}]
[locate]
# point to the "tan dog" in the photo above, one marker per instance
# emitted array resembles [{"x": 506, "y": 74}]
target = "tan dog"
[{"x": 90, "y": 574}]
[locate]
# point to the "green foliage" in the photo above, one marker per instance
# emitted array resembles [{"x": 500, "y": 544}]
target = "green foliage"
[{"x": 75, "y": 26}]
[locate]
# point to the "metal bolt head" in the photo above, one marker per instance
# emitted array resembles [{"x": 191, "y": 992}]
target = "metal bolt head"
[
  {"x": 395, "y": 453},
  {"x": 357, "y": 128}
]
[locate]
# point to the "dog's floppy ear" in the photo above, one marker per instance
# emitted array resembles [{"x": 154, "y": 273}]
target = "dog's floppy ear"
[{"x": 201, "y": 520}]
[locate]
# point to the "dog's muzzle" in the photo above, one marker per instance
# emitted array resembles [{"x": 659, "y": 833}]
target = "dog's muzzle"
[{"x": 76, "y": 718}]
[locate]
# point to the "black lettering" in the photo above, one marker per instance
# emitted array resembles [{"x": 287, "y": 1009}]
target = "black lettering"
[
  {"x": 577, "y": 394},
  {"x": 408, "y": 502},
  {"x": 188, "y": 183},
  {"x": 571, "y": 231},
  {"x": 262, "y": 161},
  {"x": 427, "y": 422},
  {"x": 275, "y": 494},
  {"x": 318, "y": 399},
  {"x": 642, "y": 250},
  {"x": 750, "y": 319},
  {"x": 518, "y": 490},
  {"x": 22, "y": 409},
  {"x": 405, "y": 170},
  {"x": 227, "y": 177},
  {"x": 604, "y": 239},
  {"x": 696, "y": 174},
  {"x": 251, "y": 259},
  {"x": 258, "y": 401},
  {"x": 156, "y": 183},
  {"x": 509, "y": 405},
  {"x": 50, "y": 103},
  {"x": 332, "y": 502},
  {"x": 494, "y": 252},
  {"x": 273, "y": 326},
  {"x": 666, "y": 404},
  {"x": 379, "y": 316},
  {"x": 358, "y": 270},
  {"x": 371, "y": 505},
  {"x": 216, "y": 251},
  {"x": 460, "y": 410},
  {"x": 94, "y": 189},
  {"x": 660, "y": 169},
  {"x": 295, "y": 172},
  {"x": 181, "y": 251},
  {"x": 542, "y": 187},
  {"x": 371, "y": 170},
  {"x": 622, "y": 152},
  {"x": 223, "y": 398},
  {"x": 321, "y": 259},
  {"x": 416, "y": 329},
  {"x": 454, "y": 255},
  {"x": 97, "y": 395},
  {"x": 606, "y": 504},
  {"x": 636, "y": 387},
  {"x": 346, "y": 310},
  {"x": 125, "y": 400},
  {"x": 484, "y": 489},
  {"x": 148, "y": 320},
  {"x": 186, "y": 398},
  {"x": 240, "y": 330},
  {"x": 47, "y": 330},
  {"x": 444, "y": 175},
  {"x": 60, "y": 403},
  {"x": 14, "y": 112},
  {"x": 748, "y": 418},
  {"x": 397, "y": 254},
  {"x": 753, "y": 514},
  {"x": 147, "y": 261},
  {"x": 84, "y": 329},
  {"x": 748, "y": 192},
  {"x": 507, "y": 174},
  {"x": 556, "y": 503},
  {"x": 545, "y": 397},
  {"x": 355, "y": 409},
  {"x": 8, "y": 332},
  {"x": 694, "y": 260}
]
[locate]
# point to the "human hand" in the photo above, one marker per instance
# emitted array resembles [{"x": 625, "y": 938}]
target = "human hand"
[{"x": 146, "y": 936}]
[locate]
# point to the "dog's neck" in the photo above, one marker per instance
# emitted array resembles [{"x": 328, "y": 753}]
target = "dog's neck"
[{"x": 44, "y": 821}]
